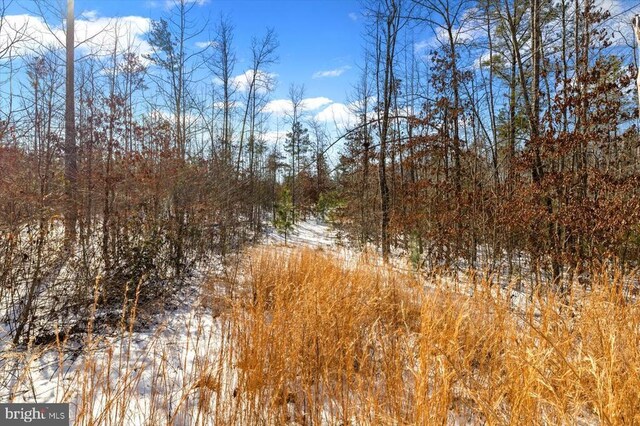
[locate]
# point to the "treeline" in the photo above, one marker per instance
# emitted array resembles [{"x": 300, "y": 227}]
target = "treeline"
[{"x": 513, "y": 135}]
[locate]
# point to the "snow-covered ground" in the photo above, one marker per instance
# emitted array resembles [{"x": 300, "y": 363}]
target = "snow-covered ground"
[
  {"x": 155, "y": 376},
  {"x": 127, "y": 377},
  {"x": 140, "y": 377},
  {"x": 310, "y": 233}
]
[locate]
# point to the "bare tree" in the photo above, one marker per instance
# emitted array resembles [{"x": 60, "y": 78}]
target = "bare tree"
[
  {"x": 263, "y": 54},
  {"x": 222, "y": 66},
  {"x": 387, "y": 27},
  {"x": 320, "y": 138},
  {"x": 70, "y": 155},
  {"x": 636, "y": 29},
  {"x": 169, "y": 39},
  {"x": 13, "y": 37},
  {"x": 295, "y": 143},
  {"x": 360, "y": 106}
]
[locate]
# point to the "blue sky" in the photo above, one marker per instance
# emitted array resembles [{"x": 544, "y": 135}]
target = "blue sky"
[
  {"x": 320, "y": 40},
  {"x": 315, "y": 36}
]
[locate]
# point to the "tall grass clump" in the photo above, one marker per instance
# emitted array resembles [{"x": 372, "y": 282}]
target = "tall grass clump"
[{"x": 318, "y": 340}]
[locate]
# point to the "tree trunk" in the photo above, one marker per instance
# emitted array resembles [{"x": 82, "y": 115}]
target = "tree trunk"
[
  {"x": 392, "y": 23},
  {"x": 636, "y": 29},
  {"x": 70, "y": 156}
]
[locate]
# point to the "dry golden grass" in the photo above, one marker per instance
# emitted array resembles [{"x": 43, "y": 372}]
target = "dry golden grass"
[
  {"x": 319, "y": 341},
  {"x": 304, "y": 337}
]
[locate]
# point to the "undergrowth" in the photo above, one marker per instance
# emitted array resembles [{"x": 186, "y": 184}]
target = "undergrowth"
[{"x": 301, "y": 336}]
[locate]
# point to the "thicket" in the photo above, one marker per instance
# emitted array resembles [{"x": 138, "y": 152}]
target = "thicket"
[{"x": 509, "y": 144}]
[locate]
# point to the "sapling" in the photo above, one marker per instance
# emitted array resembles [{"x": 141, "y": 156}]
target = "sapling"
[{"x": 284, "y": 214}]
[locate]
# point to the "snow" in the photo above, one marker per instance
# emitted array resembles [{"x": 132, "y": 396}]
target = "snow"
[
  {"x": 142, "y": 376},
  {"x": 149, "y": 376},
  {"x": 320, "y": 235},
  {"x": 310, "y": 233},
  {"x": 157, "y": 369}
]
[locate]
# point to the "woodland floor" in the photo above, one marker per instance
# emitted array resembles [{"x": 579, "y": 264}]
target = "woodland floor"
[
  {"x": 166, "y": 358},
  {"x": 233, "y": 347}
]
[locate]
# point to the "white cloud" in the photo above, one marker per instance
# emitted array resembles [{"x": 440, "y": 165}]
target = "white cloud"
[
  {"x": 278, "y": 106},
  {"x": 89, "y": 15},
  {"x": 93, "y": 34},
  {"x": 468, "y": 32},
  {"x": 312, "y": 104},
  {"x": 103, "y": 33},
  {"x": 203, "y": 44},
  {"x": 357, "y": 107},
  {"x": 26, "y": 33},
  {"x": 283, "y": 107},
  {"x": 274, "y": 136},
  {"x": 353, "y": 16},
  {"x": 337, "y": 113},
  {"x": 422, "y": 45},
  {"x": 264, "y": 81},
  {"x": 331, "y": 73}
]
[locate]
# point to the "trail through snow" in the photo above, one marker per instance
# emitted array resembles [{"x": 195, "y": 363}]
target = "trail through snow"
[{"x": 310, "y": 233}]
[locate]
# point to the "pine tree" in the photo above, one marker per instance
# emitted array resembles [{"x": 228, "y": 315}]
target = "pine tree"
[
  {"x": 284, "y": 219},
  {"x": 297, "y": 146}
]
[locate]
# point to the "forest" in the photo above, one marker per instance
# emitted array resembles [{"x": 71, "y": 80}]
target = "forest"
[{"x": 462, "y": 247}]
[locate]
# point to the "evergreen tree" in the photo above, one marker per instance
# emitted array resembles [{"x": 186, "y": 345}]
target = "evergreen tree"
[
  {"x": 297, "y": 145},
  {"x": 285, "y": 213}
]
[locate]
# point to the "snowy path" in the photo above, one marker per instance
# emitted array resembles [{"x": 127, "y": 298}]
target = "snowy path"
[
  {"x": 317, "y": 234},
  {"x": 310, "y": 233}
]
